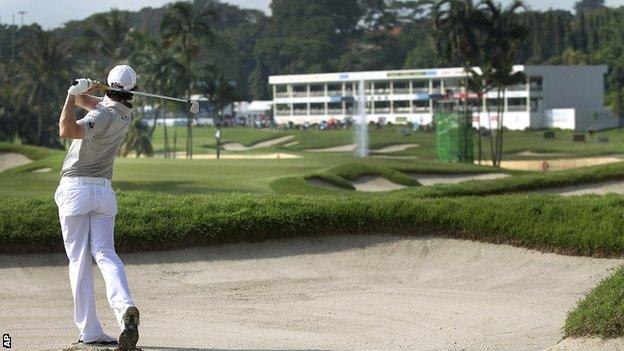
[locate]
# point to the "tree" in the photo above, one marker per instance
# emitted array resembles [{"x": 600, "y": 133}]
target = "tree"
[
  {"x": 585, "y": 5},
  {"x": 187, "y": 28},
  {"x": 221, "y": 93},
  {"x": 161, "y": 72},
  {"x": 505, "y": 32},
  {"x": 43, "y": 74}
]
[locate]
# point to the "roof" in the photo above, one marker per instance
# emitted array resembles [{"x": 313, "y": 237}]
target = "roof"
[
  {"x": 455, "y": 72},
  {"x": 260, "y": 105}
]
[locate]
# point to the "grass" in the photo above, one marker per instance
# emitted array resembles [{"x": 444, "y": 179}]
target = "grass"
[
  {"x": 601, "y": 312},
  {"x": 151, "y": 221}
]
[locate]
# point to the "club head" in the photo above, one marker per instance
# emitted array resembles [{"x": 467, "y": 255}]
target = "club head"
[{"x": 194, "y": 107}]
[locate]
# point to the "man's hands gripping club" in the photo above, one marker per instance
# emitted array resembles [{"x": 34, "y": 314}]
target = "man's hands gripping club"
[{"x": 77, "y": 95}]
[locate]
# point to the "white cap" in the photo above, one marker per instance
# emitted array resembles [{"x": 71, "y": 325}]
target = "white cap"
[{"x": 122, "y": 75}]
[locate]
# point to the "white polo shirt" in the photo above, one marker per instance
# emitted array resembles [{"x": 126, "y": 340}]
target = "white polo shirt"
[{"x": 105, "y": 129}]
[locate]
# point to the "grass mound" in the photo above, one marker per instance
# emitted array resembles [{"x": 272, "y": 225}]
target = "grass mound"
[{"x": 149, "y": 221}]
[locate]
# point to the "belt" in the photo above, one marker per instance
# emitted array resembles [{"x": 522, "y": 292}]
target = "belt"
[{"x": 85, "y": 180}]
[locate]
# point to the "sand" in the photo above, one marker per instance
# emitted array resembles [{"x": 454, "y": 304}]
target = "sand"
[
  {"x": 395, "y": 148},
  {"x": 266, "y": 143},
  {"x": 600, "y": 188},
  {"x": 279, "y": 155},
  {"x": 340, "y": 292},
  {"x": 541, "y": 154},
  {"x": 433, "y": 179},
  {"x": 42, "y": 170},
  {"x": 558, "y": 165},
  {"x": 375, "y": 184},
  {"x": 340, "y": 148},
  {"x": 12, "y": 159},
  {"x": 589, "y": 344}
]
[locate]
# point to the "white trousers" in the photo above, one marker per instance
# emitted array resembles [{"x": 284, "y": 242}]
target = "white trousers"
[{"x": 87, "y": 208}]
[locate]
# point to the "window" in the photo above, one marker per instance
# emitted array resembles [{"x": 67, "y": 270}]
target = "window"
[
  {"x": 401, "y": 106},
  {"x": 382, "y": 87},
  {"x": 334, "y": 108},
  {"x": 401, "y": 87},
  {"x": 421, "y": 105},
  {"x": 282, "y": 109},
  {"x": 281, "y": 90},
  {"x": 317, "y": 108},
  {"x": 420, "y": 85},
  {"x": 382, "y": 106},
  {"x": 536, "y": 84},
  {"x": 536, "y": 105},
  {"x": 334, "y": 89},
  {"x": 300, "y": 90},
  {"x": 300, "y": 109},
  {"x": 516, "y": 104},
  {"x": 317, "y": 90},
  {"x": 349, "y": 107}
]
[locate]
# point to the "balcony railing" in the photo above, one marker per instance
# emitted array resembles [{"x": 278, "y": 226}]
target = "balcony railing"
[
  {"x": 317, "y": 92},
  {"x": 401, "y": 90},
  {"x": 283, "y": 112},
  {"x": 402, "y": 109},
  {"x": 334, "y": 92},
  {"x": 519, "y": 87},
  {"x": 382, "y": 109},
  {"x": 300, "y": 112},
  {"x": 317, "y": 112},
  {"x": 282, "y": 94},
  {"x": 517, "y": 108},
  {"x": 334, "y": 111},
  {"x": 300, "y": 93}
]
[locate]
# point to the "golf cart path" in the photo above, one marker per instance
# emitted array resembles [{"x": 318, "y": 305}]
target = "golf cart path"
[
  {"x": 337, "y": 292},
  {"x": 12, "y": 159},
  {"x": 266, "y": 143}
]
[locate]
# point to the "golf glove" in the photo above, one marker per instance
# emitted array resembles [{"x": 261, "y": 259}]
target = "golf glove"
[{"x": 80, "y": 86}]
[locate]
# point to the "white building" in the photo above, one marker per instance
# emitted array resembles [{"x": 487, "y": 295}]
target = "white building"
[{"x": 411, "y": 96}]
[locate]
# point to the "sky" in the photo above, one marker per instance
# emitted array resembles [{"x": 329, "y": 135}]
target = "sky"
[{"x": 53, "y": 13}]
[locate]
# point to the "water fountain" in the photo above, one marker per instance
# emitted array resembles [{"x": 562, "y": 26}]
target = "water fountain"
[{"x": 361, "y": 135}]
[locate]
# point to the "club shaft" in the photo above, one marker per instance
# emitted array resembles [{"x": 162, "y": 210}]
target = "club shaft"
[{"x": 140, "y": 93}]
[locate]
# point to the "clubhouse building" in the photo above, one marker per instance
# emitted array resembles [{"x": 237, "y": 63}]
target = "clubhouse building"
[{"x": 567, "y": 97}]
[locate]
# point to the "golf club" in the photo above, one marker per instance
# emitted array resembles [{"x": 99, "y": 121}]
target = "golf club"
[{"x": 194, "y": 104}]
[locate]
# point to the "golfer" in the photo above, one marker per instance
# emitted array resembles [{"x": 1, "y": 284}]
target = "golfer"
[{"x": 87, "y": 204}]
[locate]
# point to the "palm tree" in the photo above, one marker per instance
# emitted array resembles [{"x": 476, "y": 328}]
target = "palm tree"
[
  {"x": 137, "y": 140},
  {"x": 505, "y": 34},
  {"x": 459, "y": 28},
  {"x": 110, "y": 35},
  {"x": 160, "y": 72},
  {"x": 43, "y": 74},
  {"x": 220, "y": 92},
  {"x": 187, "y": 28}
]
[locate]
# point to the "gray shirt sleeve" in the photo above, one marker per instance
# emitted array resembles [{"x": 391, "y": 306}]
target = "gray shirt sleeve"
[{"x": 95, "y": 123}]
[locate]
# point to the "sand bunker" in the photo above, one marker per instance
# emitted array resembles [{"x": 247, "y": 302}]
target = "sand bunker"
[
  {"x": 541, "y": 154},
  {"x": 375, "y": 184},
  {"x": 433, "y": 179},
  {"x": 340, "y": 148},
  {"x": 600, "y": 188},
  {"x": 267, "y": 143},
  {"x": 343, "y": 292},
  {"x": 395, "y": 148},
  {"x": 273, "y": 156},
  {"x": 558, "y": 165},
  {"x": 12, "y": 159}
]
